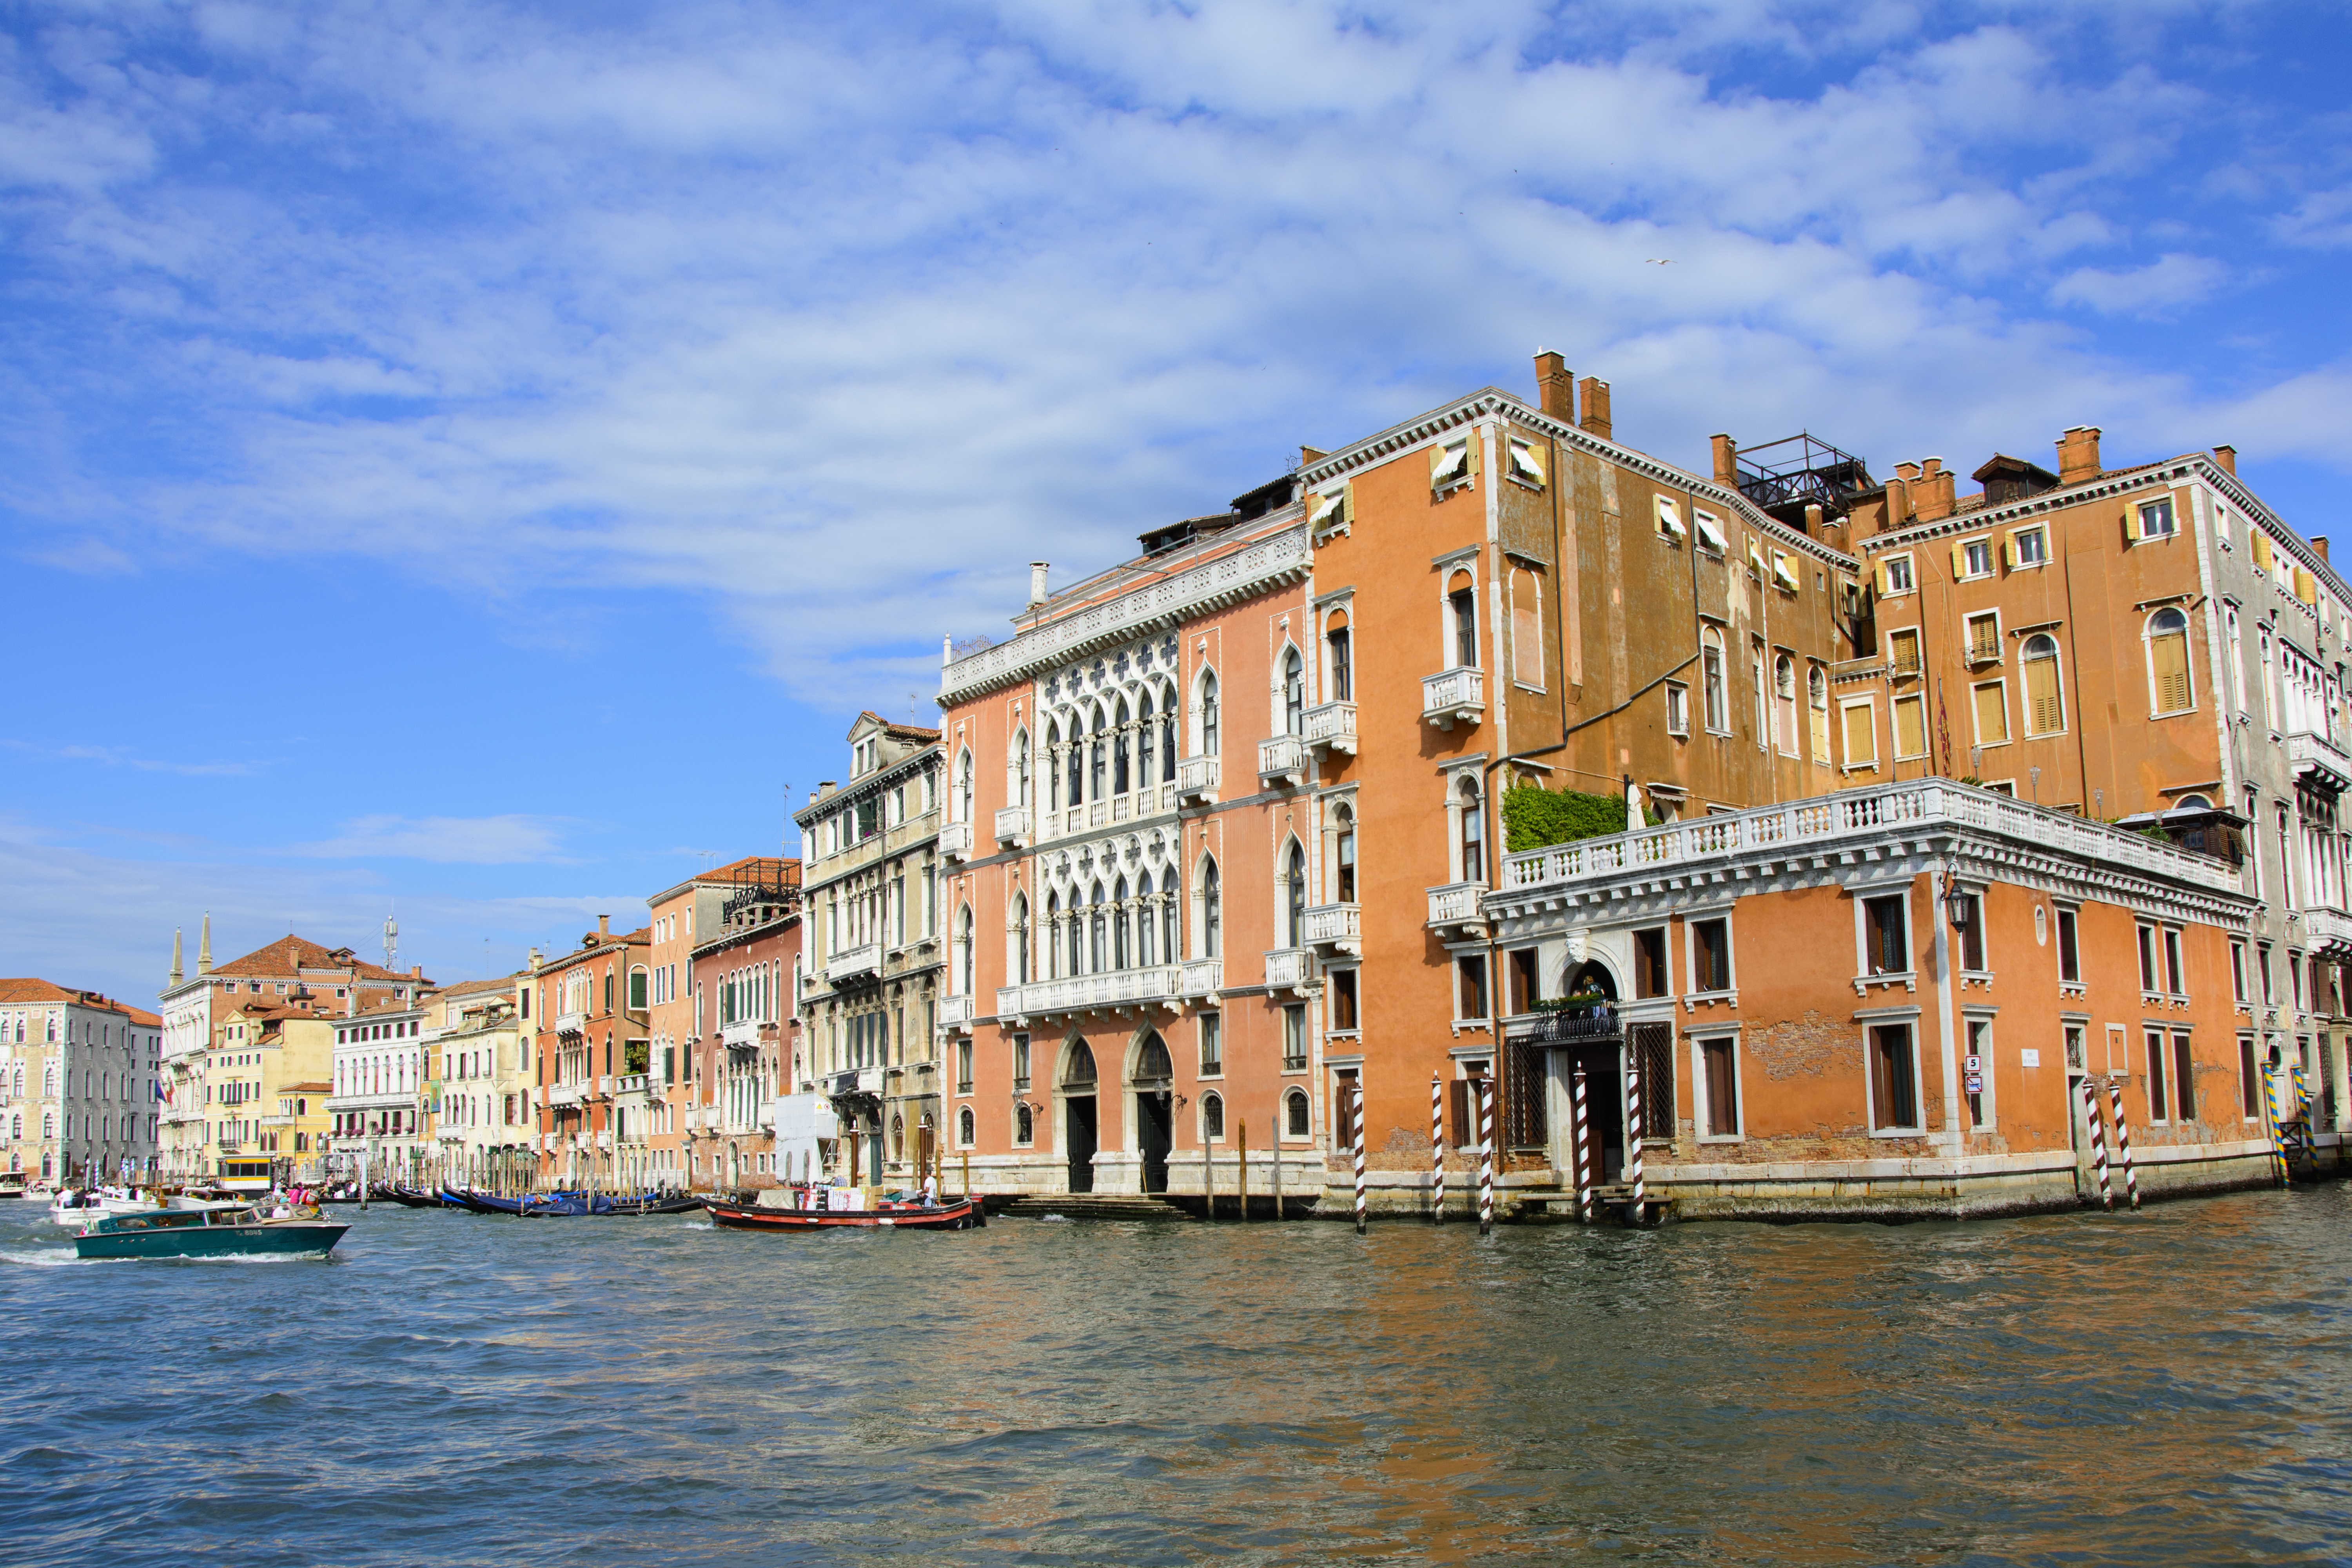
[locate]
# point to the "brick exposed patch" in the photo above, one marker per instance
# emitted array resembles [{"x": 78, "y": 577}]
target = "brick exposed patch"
[{"x": 1811, "y": 1044}]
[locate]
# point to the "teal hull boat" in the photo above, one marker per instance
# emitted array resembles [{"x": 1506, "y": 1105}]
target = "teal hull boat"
[{"x": 206, "y": 1233}]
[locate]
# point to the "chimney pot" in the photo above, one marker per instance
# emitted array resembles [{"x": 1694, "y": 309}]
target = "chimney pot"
[
  {"x": 1727, "y": 461},
  {"x": 1037, "y": 583},
  {"x": 1594, "y": 394},
  {"x": 1813, "y": 518},
  {"x": 2227, "y": 456},
  {"x": 1931, "y": 468},
  {"x": 1906, "y": 471},
  {"x": 2078, "y": 454},
  {"x": 1556, "y": 386}
]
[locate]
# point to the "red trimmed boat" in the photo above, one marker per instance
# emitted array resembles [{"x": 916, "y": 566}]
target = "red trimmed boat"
[{"x": 961, "y": 1214}]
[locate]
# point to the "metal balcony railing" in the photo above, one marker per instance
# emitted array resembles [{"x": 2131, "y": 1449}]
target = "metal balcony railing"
[{"x": 1454, "y": 696}]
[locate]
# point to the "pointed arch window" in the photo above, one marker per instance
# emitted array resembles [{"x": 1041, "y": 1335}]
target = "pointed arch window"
[
  {"x": 1294, "y": 693},
  {"x": 1473, "y": 832},
  {"x": 1462, "y": 609},
  {"x": 1343, "y": 857},
  {"x": 1098, "y": 929},
  {"x": 1817, "y": 697},
  {"x": 2045, "y": 700},
  {"x": 1120, "y": 780},
  {"x": 1295, "y": 874},
  {"x": 1098, "y": 756},
  {"x": 1340, "y": 656},
  {"x": 963, "y": 788},
  {"x": 1209, "y": 715},
  {"x": 1119, "y": 912},
  {"x": 1021, "y": 768},
  {"x": 1052, "y": 931},
  {"x": 1168, "y": 736},
  {"x": 1075, "y": 761},
  {"x": 1144, "y": 921},
  {"x": 1020, "y": 940},
  {"x": 1212, "y": 912},
  {"x": 1711, "y": 679},
  {"x": 1144, "y": 738}
]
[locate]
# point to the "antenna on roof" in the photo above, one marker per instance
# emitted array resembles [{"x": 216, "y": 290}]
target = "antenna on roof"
[
  {"x": 392, "y": 941},
  {"x": 784, "y": 840}
]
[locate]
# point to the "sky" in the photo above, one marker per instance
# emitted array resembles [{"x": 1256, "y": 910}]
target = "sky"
[{"x": 475, "y": 461}]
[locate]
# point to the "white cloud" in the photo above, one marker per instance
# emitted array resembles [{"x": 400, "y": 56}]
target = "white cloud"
[
  {"x": 2173, "y": 279},
  {"x": 506, "y": 840}
]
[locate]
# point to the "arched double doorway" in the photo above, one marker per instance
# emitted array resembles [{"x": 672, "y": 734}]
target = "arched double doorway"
[
  {"x": 1081, "y": 1126},
  {"x": 1154, "y": 1083}
]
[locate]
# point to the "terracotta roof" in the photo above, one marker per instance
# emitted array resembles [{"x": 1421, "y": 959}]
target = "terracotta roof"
[
  {"x": 380, "y": 1003},
  {"x": 141, "y": 1016},
  {"x": 474, "y": 987},
  {"x": 290, "y": 954},
  {"x": 33, "y": 990},
  {"x": 899, "y": 731},
  {"x": 306, "y": 1089}
]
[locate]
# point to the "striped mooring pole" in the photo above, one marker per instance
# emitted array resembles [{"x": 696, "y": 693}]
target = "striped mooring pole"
[
  {"x": 1634, "y": 1136},
  {"x": 2098, "y": 1143},
  {"x": 1486, "y": 1152},
  {"x": 2123, "y": 1146},
  {"x": 1583, "y": 1131},
  {"x": 1436, "y": 1150},
  {"x": 1356, "y": 1126}
]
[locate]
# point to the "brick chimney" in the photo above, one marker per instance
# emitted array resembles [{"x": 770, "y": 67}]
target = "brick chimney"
[
  {"x": 1935, "y": 490},
  {"x": 1727, "y": 461},
  {"x": 2227, "y": 456},
  {"x": 1594, "y": 394},
  {"x": 2078, "y": 454},
  {"x": 2320, "y": 543},
  {"x": 603, "y": 925},
  {"x": 1898, "y": 495},
  {"x": 1556, "y": 387}
]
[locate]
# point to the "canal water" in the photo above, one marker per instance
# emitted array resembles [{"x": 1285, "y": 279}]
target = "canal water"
[{"x": 455, "y": 1389}]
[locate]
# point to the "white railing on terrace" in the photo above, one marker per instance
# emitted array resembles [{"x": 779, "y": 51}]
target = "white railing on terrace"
[
  {"x": 955, "y": 1012},
  {"x": 570, "y": 1022},
  {"x": 565, "y": 1094},
  {"x": 1196, "y": 776},
  {"x": 2329, "y": 932},
  {"x": 1329, "y": 924},
  {"x": 851, "y": 961},
  {"x": 1334, "y": 725},
  {"x": 955, "y": 840},
  {"x": 1013, "y": 825},
  {"x": 1144, "y": 606},
  {"x": 742, "y": 1032},
  {"x": 2307, "y": 751},
  {"x": 1457, "y": 903},
  {"x": 1858, "y": 814},
  {"x": 1085, "y": 993}
]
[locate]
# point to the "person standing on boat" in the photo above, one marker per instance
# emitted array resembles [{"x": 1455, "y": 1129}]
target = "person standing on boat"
[{"x": 931, "y": 1189}]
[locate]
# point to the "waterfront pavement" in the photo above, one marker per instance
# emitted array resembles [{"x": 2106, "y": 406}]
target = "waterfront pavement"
[{"x": 457, "y": 1389}]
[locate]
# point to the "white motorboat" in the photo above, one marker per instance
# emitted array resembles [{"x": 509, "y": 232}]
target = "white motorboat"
[
  {"x": 77, "y": 1209},
  {"x": 39, "y": 1192}
]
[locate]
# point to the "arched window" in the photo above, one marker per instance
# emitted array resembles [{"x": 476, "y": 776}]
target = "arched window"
[
  {"x": 1295, "y": 873},
  {"x": 2167, "y": 662},
  {"x": 1817, "y": 696},
  {"x": 964, "y": 951},
  {"x": 1784, "y": 702},
  {"x": 1143, "y": 742},
  {"x": 2193, "y": 802},
  {"x": 1211, "y": 914},
  {"x": 1021, "y": 767},
  {"x": 1462, "y": 611},
  {"x": 1711, "y": 677},
  {"x": 964, "y": 1126},
  {"x": 1343, "y": 857},
  {"x": 1098, "y": 755},
  {"x": 1078, "y": 1073},
  {"x": 1144, "y": 921},
  {"x": 1294, "y": 1113},
  {"x": 1052, "y": 929},
  {"x": 1339, "y": 657},
  {"x": 2045, "y": 700},
  {"x": 1209, "y": 715},
  {"x": 1294, "y": 693},
  {"x": 1473, "y": 832},
  {"x": 1075, "y": 759},
  {"x": 1077, "y": 925},
  {"x": 963, "y": 788},
  {"x": 1020, "y": 940},
  {"x": 1152, "y": 1064},
  {"x": 1118, "y": 948},
  {"x": 1099, "y": 927},
  {"x": 1167, "y": 735},
  {"x": 1120, "y": 779},
  {"x": 1213, "y": 1116}
]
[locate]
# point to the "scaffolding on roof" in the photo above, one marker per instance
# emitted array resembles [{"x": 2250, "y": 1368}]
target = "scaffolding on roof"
[{"x": 1802, "y": 472}]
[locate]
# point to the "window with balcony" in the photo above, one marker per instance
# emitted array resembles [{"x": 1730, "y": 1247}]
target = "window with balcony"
[
  {"x": 1098, "y": 754},
  {"x": 1294, "y": 693},
  {"x": 1462, "y": 607},
  {"x": 1983, "y": 632},
  {"x": 1207, "y": 712},
  {"x": 1294, "y": 925},
  {"x": 1472, "y": 810},
  {"x": 1144, "y": 742}
]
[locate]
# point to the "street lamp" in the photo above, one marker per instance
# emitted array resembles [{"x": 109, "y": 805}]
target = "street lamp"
[{"x": 1959, "y": 908}]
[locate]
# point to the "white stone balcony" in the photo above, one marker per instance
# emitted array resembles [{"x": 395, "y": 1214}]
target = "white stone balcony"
[
  {"x": 1200, "y": 978},
  {"x": 1454, "y": 696},
  {"x": 955, "y": 840},
  {"x": 1012, "y": 826},
  {"x": 854, "y": 963},
  {"x": 1196, "y": 779},
  {"x": 2319, "y": 761},
  {"x": 1287, "y": 966},
  {"x": 743, "y": 1035},
  {"x": 1282, "y": 760},
  {"x": 955, "y": 1013},
  {"x": 605, "y": 1138},
  {"x": 2329, "y": 932},
  {"x": 566, "y": 1094},
  {"x": 1119, "y": 989},
  {"x": 570, "y": 1022},
  {"x": 1338, "y": 927},
  {"x": 1333, "y": 725},
  {"x": 181, "y": 1118},
  {"x": 1457, "y": 906}
]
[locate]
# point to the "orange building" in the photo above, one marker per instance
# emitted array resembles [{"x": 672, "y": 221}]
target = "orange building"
[
  {"x": 746, "y": 1034},
  {"x": 590, "y": 1009}
]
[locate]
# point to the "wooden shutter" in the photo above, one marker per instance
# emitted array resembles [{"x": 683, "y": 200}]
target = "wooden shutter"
[
  {"x": 2170, "y": 656},
  {"x": 2043, "y": 716},
  {"x": 1461, "y": 1116},
  {"x": 1861, "y": 736},
  {"x": 2184, "y": 1080},
  {"x": 1992, "y": 713},
  {"x": 1959, "y": 560},
  {"x": 1821, "y": 735},
  {"x": 2261, "y": 543},
  {"x": 2158, "y": 1110},
  {"x": 1910, "y": 727},
  {"x": 1722, "y": 1090}
]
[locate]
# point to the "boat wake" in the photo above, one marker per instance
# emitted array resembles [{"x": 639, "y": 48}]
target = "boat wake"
[{"x": 45, "y": 1258}]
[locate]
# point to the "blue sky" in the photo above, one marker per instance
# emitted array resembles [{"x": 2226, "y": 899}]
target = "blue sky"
[{"x": 471, "y": 458}]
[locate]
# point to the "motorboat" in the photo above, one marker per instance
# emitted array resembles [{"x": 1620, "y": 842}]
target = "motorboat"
[
  {"x": 75, "y": 1209},
  {"x": 959, "y": 1214},
  {"x": 240, "y": 1232}
]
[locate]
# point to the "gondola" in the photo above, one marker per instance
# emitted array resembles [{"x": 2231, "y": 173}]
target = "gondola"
[
  {"x": 961, "y": 1214},
  {"x": 409, "y": 1198},
  {"x": 654, "y": 1203}
]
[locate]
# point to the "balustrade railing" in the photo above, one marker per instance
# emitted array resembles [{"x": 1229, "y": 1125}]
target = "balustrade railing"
[
  {"x": 1156, "y": 985},
  {"x": 1453, "y": 696}
]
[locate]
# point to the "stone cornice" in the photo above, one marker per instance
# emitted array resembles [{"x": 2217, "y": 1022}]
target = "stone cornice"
[
  {"x": 1495, "y": 401},
  {"x": 1269, "y": 562}
]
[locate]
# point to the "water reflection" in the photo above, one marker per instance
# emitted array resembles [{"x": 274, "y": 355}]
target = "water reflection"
[{"x": 2161, "y": 1388}]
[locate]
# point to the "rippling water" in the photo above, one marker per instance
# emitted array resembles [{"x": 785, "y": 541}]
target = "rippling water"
[{"x": 460, "y": 1389}]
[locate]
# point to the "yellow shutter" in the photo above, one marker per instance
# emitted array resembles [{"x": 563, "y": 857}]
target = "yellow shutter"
[
  {"x": 2009, "y": 553},
  {"x": 2170, "y": 655},
  {"x": 1910, "y": 727},
  {"x": 2305, "y": 587},
  {"x": 1992, "y": 714},
  {"x": 1861, "y": 736},
  {"x": 2044, "y": 715},
  {"x": 1821, "y": 735},
  {"x": 2262, "y": 551},
  {"x": 1959, "y": 560},
  {"x": 1883, "y": 589}
]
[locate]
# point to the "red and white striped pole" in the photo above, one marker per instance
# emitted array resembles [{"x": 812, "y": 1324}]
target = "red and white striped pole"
[
  {"x": 2098, "y": 1143},
  {"x": 1356, "y": 1120},
  {"x": 1436, "y": 1150},
  {"x": 1485, "y": 1153},
  {"x": 1634, "y": 1136},
  {"x": 1583, "y": 1153},
  {"x": 2123, "y": 1147}
]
